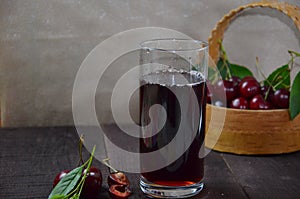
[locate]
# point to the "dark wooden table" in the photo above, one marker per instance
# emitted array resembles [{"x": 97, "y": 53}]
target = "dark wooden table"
[{"x": 31, "y": 157}]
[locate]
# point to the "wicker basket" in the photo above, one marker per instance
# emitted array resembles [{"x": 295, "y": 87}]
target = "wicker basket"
[{"x": 251, "y": 131}]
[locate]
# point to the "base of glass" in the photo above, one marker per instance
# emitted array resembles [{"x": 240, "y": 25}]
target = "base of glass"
[{"x": 161, "y": 191}]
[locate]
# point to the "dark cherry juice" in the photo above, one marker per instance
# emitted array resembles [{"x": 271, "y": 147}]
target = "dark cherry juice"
[{"x": 169, "y": 89}]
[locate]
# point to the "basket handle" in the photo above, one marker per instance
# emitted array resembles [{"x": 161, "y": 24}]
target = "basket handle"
[{"x": 217, "y": 33}]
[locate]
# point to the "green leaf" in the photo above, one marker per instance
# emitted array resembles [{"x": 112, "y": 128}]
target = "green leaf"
[
  {"x": 295, "y": 97},
  {"x": 293, "y": 52},
  {"x": 194, "y": 68},
  {"x": 280, "y": 78},
  {"x": 67, "y": 183},
  {"x": 58, "y": 197},
  {"x": 223, "y": 67},
  {"x": 240, "y": 71},
  {"x": 212, "y": 74}
]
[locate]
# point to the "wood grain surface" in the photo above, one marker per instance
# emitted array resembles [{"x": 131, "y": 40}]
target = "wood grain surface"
[{"x": 31, "y": 157}]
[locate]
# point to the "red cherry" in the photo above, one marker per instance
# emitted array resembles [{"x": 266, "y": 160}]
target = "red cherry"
[
  {"x": 117, "y": 178},
  {"x": 231, "y": 91},
  {"x": 249, "y": 87},
  {"x": 239, "y": 103},
  {"x": 267, "y": 90},
  {"x": 281, "y": 98},
  {"x": 93, "y": 183},
  {"x": 259, "y": 103},
  {"x": 119, "y": 191},
  {"x": 236, "y": 80},
  {"x": 59, "y": 176}
]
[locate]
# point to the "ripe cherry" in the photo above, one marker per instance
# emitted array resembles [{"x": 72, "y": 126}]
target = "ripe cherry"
[
  {"x": 117, "y": 178},
  {"x": 282, "y": 98},
  {"x": 231, "y": 91},
  {"x": 92, "y": 184},
  {"x": 119, "y": 191},
  {"x": 239, "y": 103},
  {"x": 259, "y": 103},
  {"x": 268, "y": 92},
  {"x": 59, "y": 176},
  {"x": 249, "y": 87},
  {"x": 236, "y": 80}
]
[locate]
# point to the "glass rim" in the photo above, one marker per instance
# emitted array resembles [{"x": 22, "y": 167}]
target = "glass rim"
[{"x": 203, "y": 45}]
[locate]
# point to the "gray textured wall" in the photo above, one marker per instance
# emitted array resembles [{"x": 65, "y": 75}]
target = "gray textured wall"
[{"x": 43, "y": 42}]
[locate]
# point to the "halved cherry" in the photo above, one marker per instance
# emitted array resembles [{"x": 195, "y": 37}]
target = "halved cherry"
[
  {"x": 117, "y": 178},
  {"x": 119, "y": 191}
]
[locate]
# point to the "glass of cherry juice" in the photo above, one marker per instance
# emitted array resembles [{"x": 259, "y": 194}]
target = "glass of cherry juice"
[{"x": 172, "y": 116}]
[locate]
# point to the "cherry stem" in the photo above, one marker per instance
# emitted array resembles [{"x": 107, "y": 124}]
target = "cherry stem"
[
  {"x": 225, "y": 59},
  {"x": 267, "y": 93},
  {"x": 87, "y": 169},
  {"x": 293, "y": 55},
  {"x": 79, "y": 187},
  {"x": 259, "y": 68},
  {"x": 105, "y": 162},
  {"x": 80, "y": 146}
]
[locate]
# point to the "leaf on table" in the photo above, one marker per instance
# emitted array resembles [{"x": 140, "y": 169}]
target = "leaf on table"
[
  {"x": 280, "y": 78},
  {"x": 67, "y": 183},
  {"x": 240, "y": 71},
  {"x": 58, "y": 197},
  {"x": 295, "y": 97}
]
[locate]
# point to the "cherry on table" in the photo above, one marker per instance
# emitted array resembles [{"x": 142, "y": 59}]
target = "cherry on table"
[
  {"x": 281, "y": 98},
  {"x": 118, "y": 178},
  {"x": 239, "y": 103},
  {"x": 92, "y": 184},
  {"x": 59, "y": 176},
  {"x": 259, "y": 103},
  {"x": 119, "y": 191}
]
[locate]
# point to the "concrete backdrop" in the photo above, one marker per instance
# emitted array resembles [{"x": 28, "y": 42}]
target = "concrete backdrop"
[{"x": 43, "y": 43}]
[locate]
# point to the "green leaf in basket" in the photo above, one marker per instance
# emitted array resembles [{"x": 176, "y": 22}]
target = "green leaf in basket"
[
  {"x": 240, "y": 71},
  {"x": 223, "y": 67},
  {"x": 295, "y": 97},
  {"x": 228, "y": 69},
  {"x": 280, "y": 78},
  {"x": 212, "y": 74},
  {"x": 67, "y": 183}
]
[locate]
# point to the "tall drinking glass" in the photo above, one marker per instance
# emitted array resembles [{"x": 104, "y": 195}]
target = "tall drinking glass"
[{"x": 172, "y": 117}]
